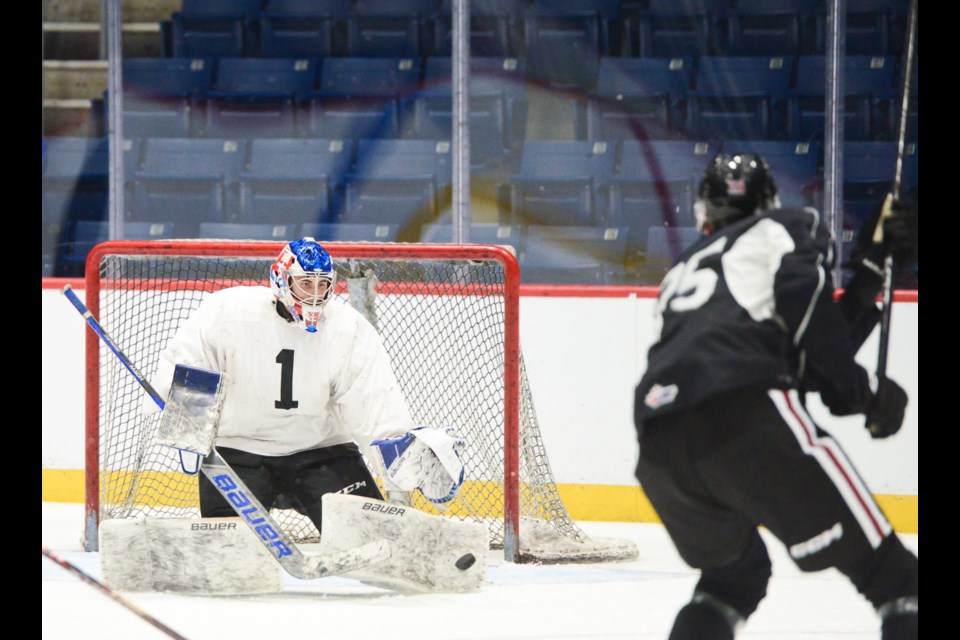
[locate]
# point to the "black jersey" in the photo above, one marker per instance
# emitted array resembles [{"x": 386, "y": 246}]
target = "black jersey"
[{"x": 751, "y": 305}]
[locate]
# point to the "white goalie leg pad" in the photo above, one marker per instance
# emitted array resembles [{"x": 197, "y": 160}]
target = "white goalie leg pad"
[
  {"x": 430, "y": 553},
  {"x": 201, "y": 556}
]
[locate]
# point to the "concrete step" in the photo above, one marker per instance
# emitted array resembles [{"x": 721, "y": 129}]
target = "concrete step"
[
  {"x": 89, "y": 10},
  {"x": 81, "y": 40}
]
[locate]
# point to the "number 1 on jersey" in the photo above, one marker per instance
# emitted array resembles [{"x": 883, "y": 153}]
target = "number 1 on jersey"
[{"x": 286, "y": 401}]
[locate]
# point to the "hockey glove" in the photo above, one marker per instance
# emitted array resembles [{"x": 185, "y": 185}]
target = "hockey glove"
[
  {"x": 899, "y": 236},
  {"x": 424, "y": 459},
  {"x": 847, "y": 397},
  {"x": 885, "y": 415}
]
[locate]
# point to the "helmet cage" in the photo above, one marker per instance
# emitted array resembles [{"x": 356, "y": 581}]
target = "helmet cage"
[
  {"x": 734, "y": 187},
  {"x": 302, "y": 279}
]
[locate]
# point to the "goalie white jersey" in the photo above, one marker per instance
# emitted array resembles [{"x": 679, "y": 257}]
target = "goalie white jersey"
[{"x": 286, "y": 389}]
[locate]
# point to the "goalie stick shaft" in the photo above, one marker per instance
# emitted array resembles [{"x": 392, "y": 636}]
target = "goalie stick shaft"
[
  {"x": 242, "y": 500},
  {"x": 84, "y": 576},
  {"x": 886, "y": 303}
]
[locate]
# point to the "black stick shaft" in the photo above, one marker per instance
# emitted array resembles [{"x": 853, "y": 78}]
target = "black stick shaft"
[
  {"x": 86, "y": 577},
  {"x": 887, "y": 294}
]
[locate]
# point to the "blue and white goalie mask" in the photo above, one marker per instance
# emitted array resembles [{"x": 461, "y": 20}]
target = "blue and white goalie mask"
[{"x": 302, "y": 279}]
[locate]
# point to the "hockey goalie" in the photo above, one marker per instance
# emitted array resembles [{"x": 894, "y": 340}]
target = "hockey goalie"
[{"x": 285, "y": 392}]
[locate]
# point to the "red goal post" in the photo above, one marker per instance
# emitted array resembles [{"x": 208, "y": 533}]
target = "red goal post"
[{"x": 449, "y": 316}]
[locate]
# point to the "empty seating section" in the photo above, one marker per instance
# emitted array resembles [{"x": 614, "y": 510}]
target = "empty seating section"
[
  {"x": 161, "y": 95},
  {"x": 655, "y": 183},
  {"x": 214, "y": 28},
  {"x": 495, "y": 29},
  {"x": 498, "y": 106},
  {"x": 676, "y": 29},
  {"x": 84, "y": 235},
  {"x": 636, "y": 98},
  {"x": 590, "y": 124},
  {"x": 561, "y": 182},
  {"x": 770, "y": 27},
  {"x": 478, "y": 233},
  {"x": 258, "y": 97},
  {"x": 246, "y": 231},
  {"x": 400, "y": 182},
  {"x": 363, "y": 97},
  {"x": 75, "y": 179},
  {"x": 868, "y": 92},
  {"x": 739, "y": 97},
  {"x": 186, "y": 181},
  {"x": 292, "y": 180},
  {"x": 350, "y": 232},
  {"x": 300, "y": 28},
  {"x": 576, "y": 255}
]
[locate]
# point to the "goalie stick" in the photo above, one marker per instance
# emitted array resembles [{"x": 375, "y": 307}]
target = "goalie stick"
[
  {"x": 242, "y": 500},
  {"x": 83, "y": 575},
  {"x": 887, "y": 292}
]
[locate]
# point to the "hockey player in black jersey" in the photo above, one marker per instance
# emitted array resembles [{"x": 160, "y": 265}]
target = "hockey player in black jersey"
[{"x": 747, "y": 324}]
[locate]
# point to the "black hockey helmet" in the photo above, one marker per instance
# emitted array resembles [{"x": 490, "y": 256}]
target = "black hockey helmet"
[{"x": 734, "y": 186}]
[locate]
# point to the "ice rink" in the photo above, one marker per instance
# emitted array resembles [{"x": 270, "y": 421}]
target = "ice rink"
[{"x": 635, "y": 600}]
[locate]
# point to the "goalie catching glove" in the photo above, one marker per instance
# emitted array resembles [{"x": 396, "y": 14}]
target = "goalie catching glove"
[{"x": 424, "y": 459}]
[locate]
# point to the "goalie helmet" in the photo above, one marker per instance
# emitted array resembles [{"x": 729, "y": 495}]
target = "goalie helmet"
[
  {"x": 302, "y": 280},
  {"x": 734, "y": 187}
]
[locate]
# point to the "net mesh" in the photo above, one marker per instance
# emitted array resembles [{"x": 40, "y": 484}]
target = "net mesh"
[{"x": 442, "y": 322}]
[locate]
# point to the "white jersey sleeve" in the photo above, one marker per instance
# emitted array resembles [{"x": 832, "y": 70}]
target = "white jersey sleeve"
[{"x": 367, "y": 398}]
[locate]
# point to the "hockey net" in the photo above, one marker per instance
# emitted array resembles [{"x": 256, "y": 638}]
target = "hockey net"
[{"x": 449, "y": 317}]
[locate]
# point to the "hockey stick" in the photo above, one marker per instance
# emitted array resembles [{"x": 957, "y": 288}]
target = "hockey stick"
[
  {"x": 83, "y": 575},
  {"x": 887, "y": 294},
  {"x": 242, "y": 500}
]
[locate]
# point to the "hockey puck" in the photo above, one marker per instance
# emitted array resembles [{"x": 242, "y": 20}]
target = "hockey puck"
[{"x": 466, "y": 561}]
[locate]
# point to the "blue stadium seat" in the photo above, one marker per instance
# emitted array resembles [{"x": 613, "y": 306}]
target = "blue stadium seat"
[
  {"x": 345, "y": 232},
  {"x": 495, "y": 29},
  {"x": 796, "y": 167},
  {"x": 655, "y": 183},
  {"x": 160, "y": 95},
  {"x": 498, "y": 106},
  {"x": 258, "y": 97},
  {"x": 84, "y": 235},
  {"x": 770, "y": 27},
  {"x": 388, "y": 28},
  {"x": 873, "y": 27},
  {"x": 563, "y": 47},
  {"x": 215, "y": 28},
  {"x": 574, "y": 255},
  {"x": 75, "y": 179},
  {"x": 363, "y": 97},
  {"x": 300, "y": 28},
  {"x": 868, "y": 172},
  {"x": 186, "y": 181},
  {"x": 292, "y": 180},
  {"x": 740, "y": 98},
  {"x": 479, "y": 233},
  {"x": 664, "y": 246},
  {"x": 401, "y": 182},
  {"x": 868, "y": 95},
  {"x": 636, "y": 98},
  {"x": 246, "y": 231},
  {"x": 561, "y": 182},
  {"x": 672, "y": 29}
]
